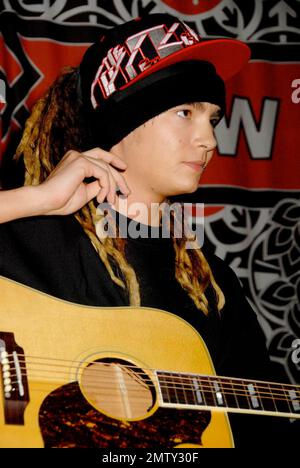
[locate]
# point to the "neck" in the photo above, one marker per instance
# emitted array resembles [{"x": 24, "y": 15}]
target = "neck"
[
  {"x": 183, "y": 390},
  {"x": 143, "y": 209}
]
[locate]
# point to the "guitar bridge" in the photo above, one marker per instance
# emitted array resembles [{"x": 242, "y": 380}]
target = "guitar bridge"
[{"x": 13, "y": 379}]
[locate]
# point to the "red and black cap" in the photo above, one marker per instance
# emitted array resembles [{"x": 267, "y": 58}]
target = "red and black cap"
[{"x": 145, "y": 66}]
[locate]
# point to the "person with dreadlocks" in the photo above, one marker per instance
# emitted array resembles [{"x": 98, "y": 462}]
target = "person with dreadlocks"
[{"x": 142, "y": 108}]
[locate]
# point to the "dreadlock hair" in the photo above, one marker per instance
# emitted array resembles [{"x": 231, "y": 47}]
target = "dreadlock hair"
[{"x": 56, "y": 125}]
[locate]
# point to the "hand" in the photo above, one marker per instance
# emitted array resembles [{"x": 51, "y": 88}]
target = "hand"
[{"x": 65, "y": 191}]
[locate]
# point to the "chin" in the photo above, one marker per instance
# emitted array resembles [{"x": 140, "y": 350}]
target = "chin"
[
  {"x": 184, "y": 189},
  {"x": 189, "y": 187}
]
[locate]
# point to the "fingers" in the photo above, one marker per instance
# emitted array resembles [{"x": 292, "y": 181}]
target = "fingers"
[
  {"x": 121, "y": 182},
  {"x": 111, "y": 196},
  {"x": 94, "y": 155},
  {"x": 108, "y": 185},
  {"x": 75, "y": 167},
  {"x": 99, "y": 154},
  {"x": 115, "y": 179},
  {"x": 92, "y": 191},
  {"x": 109, "y": 178}
]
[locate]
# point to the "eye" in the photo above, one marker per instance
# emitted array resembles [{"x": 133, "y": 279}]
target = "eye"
[
  {"x": 184, "y": 113},
  {"x": 214, "y": 122}
]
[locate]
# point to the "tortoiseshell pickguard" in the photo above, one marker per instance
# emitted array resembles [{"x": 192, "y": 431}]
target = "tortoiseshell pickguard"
[{"x": 67, "y": 420}]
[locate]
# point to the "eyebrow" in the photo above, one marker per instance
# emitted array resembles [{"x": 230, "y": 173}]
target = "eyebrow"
[{"x": 199, "y": 105}]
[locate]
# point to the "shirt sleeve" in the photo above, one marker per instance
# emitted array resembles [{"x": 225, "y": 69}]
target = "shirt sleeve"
[{"x": 54, "y": 255}]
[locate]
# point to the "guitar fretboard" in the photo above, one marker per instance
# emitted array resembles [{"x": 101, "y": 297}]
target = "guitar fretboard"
[{"x": 229, "y": 393}]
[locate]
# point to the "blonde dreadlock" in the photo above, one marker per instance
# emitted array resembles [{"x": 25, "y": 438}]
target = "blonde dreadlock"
[{"x": 56, "y": 126}]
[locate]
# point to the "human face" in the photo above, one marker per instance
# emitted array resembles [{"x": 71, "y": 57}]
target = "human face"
[{"x": 167, "y": 155}]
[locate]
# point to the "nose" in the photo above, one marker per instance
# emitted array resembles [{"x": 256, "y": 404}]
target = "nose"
[{"x": 204, "y": 136}]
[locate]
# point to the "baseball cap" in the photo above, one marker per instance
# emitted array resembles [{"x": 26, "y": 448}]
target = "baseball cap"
[{"x": 140, "y": 68}]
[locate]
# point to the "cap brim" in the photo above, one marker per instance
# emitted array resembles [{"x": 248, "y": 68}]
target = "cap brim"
[{"x": 229, "y": 56}]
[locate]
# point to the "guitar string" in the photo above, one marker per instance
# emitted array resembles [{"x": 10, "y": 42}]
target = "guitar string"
[
  {"x": 101, "y": 386},
  {"x": 190, "y": 387},
  {"x": 227, "y": 380},
  {"x": 207, "y": 381},
  {"x": 288, "y": 412},
  {"x": 134, "y": 367},
  {"x": 53, "y": 361}
]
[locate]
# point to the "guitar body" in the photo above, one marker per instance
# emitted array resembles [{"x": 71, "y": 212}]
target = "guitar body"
[{"x": 76, "y": 398}]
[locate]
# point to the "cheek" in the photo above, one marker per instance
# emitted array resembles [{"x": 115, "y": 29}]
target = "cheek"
[
  {"x": 172, "y": 144},
  {"x": 209, "y": 156},
  {"x": 156, "y": 147}
]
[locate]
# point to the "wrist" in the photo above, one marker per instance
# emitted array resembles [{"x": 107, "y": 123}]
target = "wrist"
[
  {"x": 36, "y": 200},
  {"x": 41, "y": 202}
]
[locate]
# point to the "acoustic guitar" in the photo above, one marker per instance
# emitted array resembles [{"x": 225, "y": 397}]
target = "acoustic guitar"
[{"x": 121, "y": 377}]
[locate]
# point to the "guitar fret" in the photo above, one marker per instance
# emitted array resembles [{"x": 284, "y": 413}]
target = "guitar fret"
[
  {"x": 164, "y": 388},
  {"x": 281, "y": 400},
  {"x": 189, "y": 392},
  {"x": 229, "y": 392},
  {"x": 294, "y": 399},
  {"x": 241, "y": 394},
  {"x": 218, "y": 393},
  {"x": 290, "y": 401},
  {"x": 208, "y": 392},
  {"x": 254, "y": 399},
  {"x": 172, "y": 388},
  {"x": 182, "y": 384},
  {"x": 247, "y": 394},
  {"x": 266, "y": 397},
  {"x": 197, "y": 392},
  {"x": 179, "y": 390}
]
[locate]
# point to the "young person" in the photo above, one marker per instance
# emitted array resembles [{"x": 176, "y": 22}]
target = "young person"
[{"x": 149, "y": 94}]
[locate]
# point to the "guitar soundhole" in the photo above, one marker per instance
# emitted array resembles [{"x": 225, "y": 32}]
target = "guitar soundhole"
[{"x": 118, "y": 389}]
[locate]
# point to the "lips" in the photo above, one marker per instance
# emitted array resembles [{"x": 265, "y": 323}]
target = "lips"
[{"x": 196, "y": 165}]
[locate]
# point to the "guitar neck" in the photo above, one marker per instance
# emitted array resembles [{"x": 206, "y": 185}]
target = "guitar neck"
[{"x": 230, "y": 394}]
